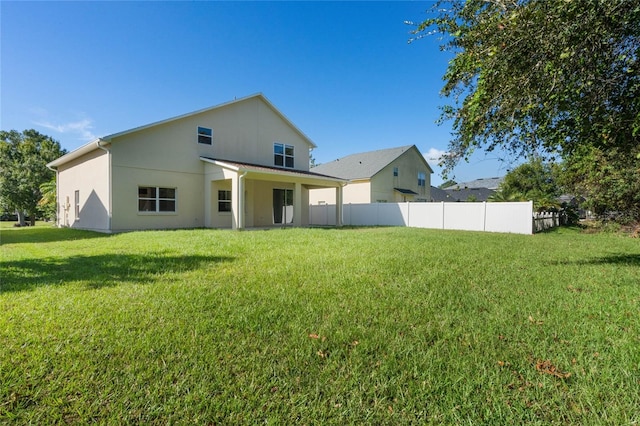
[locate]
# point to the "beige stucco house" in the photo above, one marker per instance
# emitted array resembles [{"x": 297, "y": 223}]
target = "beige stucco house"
[
  {"x": 384, "y": 176},
  {"x": 236, "y": 165}
]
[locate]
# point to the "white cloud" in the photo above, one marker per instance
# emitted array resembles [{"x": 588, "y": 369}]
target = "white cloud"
[
  {"x": 435, "y": 155},
  {"x": 82, "y": 128}
]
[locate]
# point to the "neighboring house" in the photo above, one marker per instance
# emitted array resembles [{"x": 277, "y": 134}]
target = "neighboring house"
[
  {"x": 470, "y": 194},
  {"x": 386, "y": 175},
  {"x": 475, "y": 190},
  {"x": 236, "y": 165},
  {"x": 488, "y": 183},
  {"x": 438, "y": 195}
]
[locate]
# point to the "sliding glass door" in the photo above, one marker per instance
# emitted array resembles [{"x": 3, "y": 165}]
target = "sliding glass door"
[{"x": 282, "y": 206}]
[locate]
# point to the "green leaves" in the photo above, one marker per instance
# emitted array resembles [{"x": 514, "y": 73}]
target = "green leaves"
[
  {"x": 23, "y": 160},
  {"x": 540, "y": 76}
]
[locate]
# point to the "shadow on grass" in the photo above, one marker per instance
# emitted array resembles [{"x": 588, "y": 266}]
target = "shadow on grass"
[
  {"x": 45, "y": 234},
  {"x": 614, "y": 259},
  {"x": 98, "y": 271}
]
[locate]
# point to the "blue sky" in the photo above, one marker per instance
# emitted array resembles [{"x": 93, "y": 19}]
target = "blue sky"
[{"x": 343, "y": 72}]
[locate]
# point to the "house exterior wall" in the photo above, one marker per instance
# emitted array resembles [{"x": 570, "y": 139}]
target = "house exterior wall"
[
  {"x": 168, "y": 155},
  {"x": 189, "y": 199},
  {"x": 409, "y": 164},
  {"x": 220, "y": 219},
  {"x": 356, "y": 193},
  {"x": 380, "y": 187},
  {"x": 322, "y": 196},
  {"x": 258, "y": 205},
  {"x": 353, "y": 193},
  {"x": 261, "y": 193},
  {"x": 89, "y": 175},
  {"x": 246, "y": 131}
]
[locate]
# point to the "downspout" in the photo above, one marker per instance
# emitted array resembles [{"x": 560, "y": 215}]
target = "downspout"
[
  {"x": 57, "y": 195},
  {"x": 241, "y": 212},
  {"x": 101, "y": 145},
  {"x": 342, "y": 185}
]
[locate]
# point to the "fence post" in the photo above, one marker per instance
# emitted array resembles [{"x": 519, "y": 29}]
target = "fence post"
[
  {"x": 484, "y": 218},
  {"x": 533, "y": 220}
]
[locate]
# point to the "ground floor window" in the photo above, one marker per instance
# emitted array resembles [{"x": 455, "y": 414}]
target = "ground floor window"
[
  {"x": 77, "y": 204},
  {"x": 224, "y": 201},
  {"x": 156, "y": 199}
]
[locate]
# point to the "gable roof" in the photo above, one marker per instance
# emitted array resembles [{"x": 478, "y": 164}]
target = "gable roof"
[
  {"x": 489, "y": 183},
  {"x": 364, "y": 165},
  {"x": 248, "y": 167},
  {"x": 222, "y": 105},
  {"x": 464, "y": 194},
  {"x": 438, "y": 195},
  {"x": 105, "y": 140}
]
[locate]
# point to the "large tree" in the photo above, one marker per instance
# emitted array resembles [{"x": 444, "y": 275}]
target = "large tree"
[
  {"x": 23, "y": 159},
  {"x": 552, "y": 77},
  {"x": 534, "y": 180}
]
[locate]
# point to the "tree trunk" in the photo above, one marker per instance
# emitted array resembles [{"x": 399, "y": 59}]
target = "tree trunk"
[{"x": 20, "y": 218}]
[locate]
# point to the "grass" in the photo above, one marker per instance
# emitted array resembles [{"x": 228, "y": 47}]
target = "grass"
[{"x": 319, "y": 326}]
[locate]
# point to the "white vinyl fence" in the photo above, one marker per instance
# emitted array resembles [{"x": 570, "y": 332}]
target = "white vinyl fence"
[{"x": 514, "y": 218}]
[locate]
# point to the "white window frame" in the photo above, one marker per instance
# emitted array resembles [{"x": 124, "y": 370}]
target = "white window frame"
[
  {"x": 283, "y": 155},
  {"x": 225, "y": 201},
  {"x": 76, "y": 200},
  {"x": 422, "y": 179},
  {"x": 157, "y": 199},
  {"x": 396, "y": 172},
  {"x": 204, "y": 134}
]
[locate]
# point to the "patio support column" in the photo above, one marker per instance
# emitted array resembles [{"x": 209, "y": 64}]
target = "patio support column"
[
  {"x": 237, "y": 188},
  {"x": 339, "y": 205},
  {"x": 207, "y": 202},
  {"x": 241, "y": 201},
  {"x": 297, "y": 204}
]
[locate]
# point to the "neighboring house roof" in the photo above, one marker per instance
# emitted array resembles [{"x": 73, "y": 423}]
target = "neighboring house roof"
[
  {"x": 488, "y": 183},
  {"x": 477, "y": 194},
  {"x": 571, "y": 200},
  {"x": 438, "y": 195},
  {"x": 264, "y": 169},
  {"x": 363, "y": 165},
  {"x": 105, "y": 140}
]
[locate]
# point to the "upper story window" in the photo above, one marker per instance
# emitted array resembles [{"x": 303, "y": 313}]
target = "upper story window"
[
  {"x": 205, "y": 135},
  {"x": 395, "y": 172},
  {"x": 283, "y": 155},
  {"x": 422, "y": 179},
  {"x": 155, "y": 199}
]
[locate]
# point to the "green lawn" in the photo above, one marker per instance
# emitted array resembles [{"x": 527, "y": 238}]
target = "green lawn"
[{"x": 319, "y": 326}]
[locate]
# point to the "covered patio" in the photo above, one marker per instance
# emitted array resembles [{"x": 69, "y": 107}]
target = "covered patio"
[{"x": 240, "y": 195}]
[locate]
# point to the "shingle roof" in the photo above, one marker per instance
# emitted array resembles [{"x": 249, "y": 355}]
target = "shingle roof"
[
  {"x": 468, "y": 194},
  {"x": 266, "y": 169},
  {"x": 438, "y": 195},
  {"x": 362, "y": 165},
  {"x": 489, "y": 183},
  {"x": 95, "y": 144}
]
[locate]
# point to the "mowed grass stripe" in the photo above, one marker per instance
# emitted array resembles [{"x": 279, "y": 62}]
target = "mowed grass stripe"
[{"x": 330, "y": 326}]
